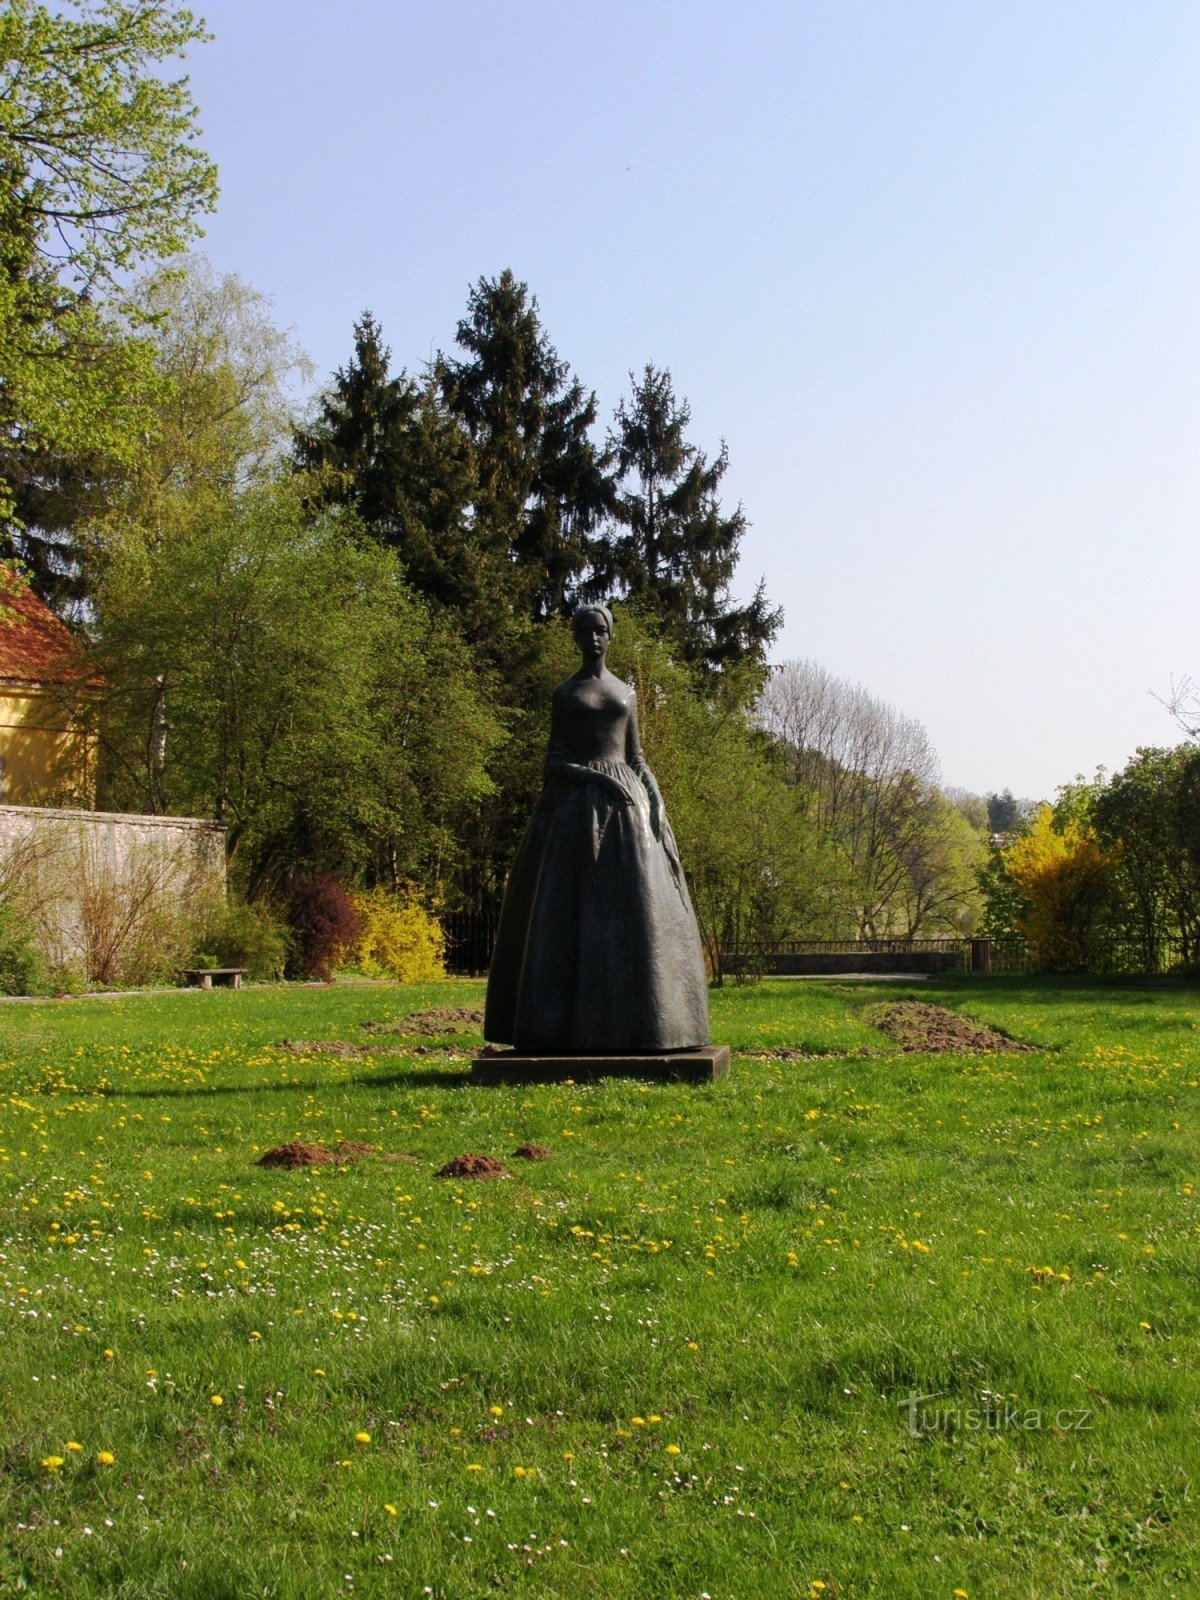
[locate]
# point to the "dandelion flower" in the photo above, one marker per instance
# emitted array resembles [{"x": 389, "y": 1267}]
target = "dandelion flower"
[
  {"x": 391, "y": 1510},
  {"x": 52, "y": 1463},
  {"x": 495, "y": 1411},
  {"x": 672, "y": 1449},
  {"x": 216, "y": 1400},
  {"x": 73, "y": 1444},
  {"x": 105, "y": 1458},
  {"x": 362, "y": 1437},
  {"x": 474, "y": 1466}
]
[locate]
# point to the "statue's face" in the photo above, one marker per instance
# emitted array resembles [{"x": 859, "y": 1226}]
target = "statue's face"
[{"x": 592, "y": 635}]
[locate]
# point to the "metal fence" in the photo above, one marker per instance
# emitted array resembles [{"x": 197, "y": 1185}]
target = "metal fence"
[{"x": 470, "y": 936}]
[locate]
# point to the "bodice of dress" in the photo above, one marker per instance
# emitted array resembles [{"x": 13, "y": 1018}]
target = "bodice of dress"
[{"x": 593, "y": 720}]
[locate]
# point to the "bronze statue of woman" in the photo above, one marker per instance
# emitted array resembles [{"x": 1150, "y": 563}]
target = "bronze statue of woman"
[{"x": 597, "y": 949}]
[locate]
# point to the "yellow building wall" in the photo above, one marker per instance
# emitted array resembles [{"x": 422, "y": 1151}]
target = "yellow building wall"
[{"x": 45, "y": 757}]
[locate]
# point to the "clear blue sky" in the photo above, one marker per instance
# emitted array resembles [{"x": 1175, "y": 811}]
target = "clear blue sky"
[{"x": 931, "y": 270}]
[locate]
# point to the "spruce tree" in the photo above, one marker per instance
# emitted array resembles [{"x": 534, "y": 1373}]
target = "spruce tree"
[
  {"x": 389, "y": 448},
  {"x": 673, "y": 550},
  {"x": 542, "y": 483}
]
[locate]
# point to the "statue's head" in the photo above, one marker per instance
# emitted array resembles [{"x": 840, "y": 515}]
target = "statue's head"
[{"x": 586, "y": 619}]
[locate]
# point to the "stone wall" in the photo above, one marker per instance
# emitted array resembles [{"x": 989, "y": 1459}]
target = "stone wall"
[{"x": 109, "y": 897}]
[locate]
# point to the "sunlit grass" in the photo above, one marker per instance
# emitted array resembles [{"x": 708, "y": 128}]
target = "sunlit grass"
[{"x": 673, "y": 1359}]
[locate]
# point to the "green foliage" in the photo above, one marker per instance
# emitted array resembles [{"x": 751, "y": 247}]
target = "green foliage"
[
  {"x": 100, "y": 146},
  {"x": 399, "y": 937},
  {"x": 389, "y": 449},
  {"x": 99, "y": 170},
  {"x": 22, "y": 968},
  {"x": 242, "y": 933},
  {"x": 673, "y": 551},
  {"x": 541, "y": 484},
  {"x": 756, "y": 868},
  {"x": 1148, "y": 815},
  {"x": 1005, "y": 813},
  {"x": 266, "y": 667}
]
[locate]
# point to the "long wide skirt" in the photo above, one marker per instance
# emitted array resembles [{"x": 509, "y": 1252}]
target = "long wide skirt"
[{"x": 597, "y": 948}]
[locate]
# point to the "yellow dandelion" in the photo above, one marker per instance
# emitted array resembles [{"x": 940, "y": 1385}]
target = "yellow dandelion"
[
  {"x": 495, "y": 1411},
  {"x": 73, "y": 1444},
  {"x": 672, "y": 1449},
  {"x": 216, "y": 1400},
  {"x": 653, "y": 1418},
  {"x": 105, "y": 1458},
  {"x": 362, "y": 1437},
  {"x": 318, "y": 1372},
  {"x": 52, "y": 1463},
  {"x": 518, "y": 1472},
  {"x": 391, "y": 1510},
  {"x": 474, "y": 1466}
]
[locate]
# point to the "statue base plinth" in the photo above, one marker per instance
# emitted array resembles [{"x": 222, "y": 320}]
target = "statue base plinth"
[{"x": 671, "y": 1066}]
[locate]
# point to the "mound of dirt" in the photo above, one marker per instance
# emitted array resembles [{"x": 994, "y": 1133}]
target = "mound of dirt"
[
  {"x": 328, "y": 1047},
  {"x": 298, "y": 1154},
  {"x": 437, "y": 1019},
  {"x": 929, "y": 1030},
  {"x": 474, "y": 1167},
  {"x": 532, "y": 1152}
]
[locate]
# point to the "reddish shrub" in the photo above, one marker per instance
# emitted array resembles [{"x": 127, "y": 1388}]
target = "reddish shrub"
[{"x": 323, "y": 922}]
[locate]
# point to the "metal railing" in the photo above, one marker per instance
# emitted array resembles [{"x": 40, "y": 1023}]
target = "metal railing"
[{"x": 470, "y": 936}]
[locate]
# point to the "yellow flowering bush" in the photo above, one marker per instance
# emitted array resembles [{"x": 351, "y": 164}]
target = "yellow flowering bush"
[
  {"x": 1065, "y": 875},
  {"x": 400, "y": 937}
]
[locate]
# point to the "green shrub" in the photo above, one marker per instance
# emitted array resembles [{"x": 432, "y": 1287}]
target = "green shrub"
[
  {"x": 243, "y": 933},
  {"x": 22, "y": 968}
]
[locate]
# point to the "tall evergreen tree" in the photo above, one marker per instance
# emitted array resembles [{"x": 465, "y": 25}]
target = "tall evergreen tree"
[
  {"x": 389, "y": 447},
  {"x": 543, "y": 487},
  {"x": 673, "y": 550}
]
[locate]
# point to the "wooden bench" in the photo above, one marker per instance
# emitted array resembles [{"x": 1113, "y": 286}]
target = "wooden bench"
[{"x": 221, "y": 977}]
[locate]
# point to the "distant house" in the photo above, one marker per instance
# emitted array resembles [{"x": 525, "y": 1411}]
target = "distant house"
[{"x": 46, "y": 755}]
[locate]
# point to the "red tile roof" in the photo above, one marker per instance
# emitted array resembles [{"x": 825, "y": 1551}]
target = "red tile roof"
[{"x": 35, "y": 646}]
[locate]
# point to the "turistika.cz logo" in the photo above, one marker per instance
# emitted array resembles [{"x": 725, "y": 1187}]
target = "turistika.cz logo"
[{"x": 992, "y": 1413}]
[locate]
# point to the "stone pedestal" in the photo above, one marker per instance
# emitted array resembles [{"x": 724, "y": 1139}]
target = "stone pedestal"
[{"x": 679, "y": 1066}]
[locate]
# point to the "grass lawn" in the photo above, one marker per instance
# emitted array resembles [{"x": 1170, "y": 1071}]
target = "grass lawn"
[{"x": 674, "y": 1359}]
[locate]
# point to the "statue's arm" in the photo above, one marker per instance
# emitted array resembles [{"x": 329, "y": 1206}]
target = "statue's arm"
[
  {"x": 635, "y": 758},
  {"x": 561, "y": 769}
]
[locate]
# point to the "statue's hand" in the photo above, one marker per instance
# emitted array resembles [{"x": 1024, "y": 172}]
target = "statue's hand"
[
  {"x": 656, "y": 813},
  {"x": 616, "y": 790}
]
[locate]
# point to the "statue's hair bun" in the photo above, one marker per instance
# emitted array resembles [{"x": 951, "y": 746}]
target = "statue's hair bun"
[{"x": 583, "y": 611}]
